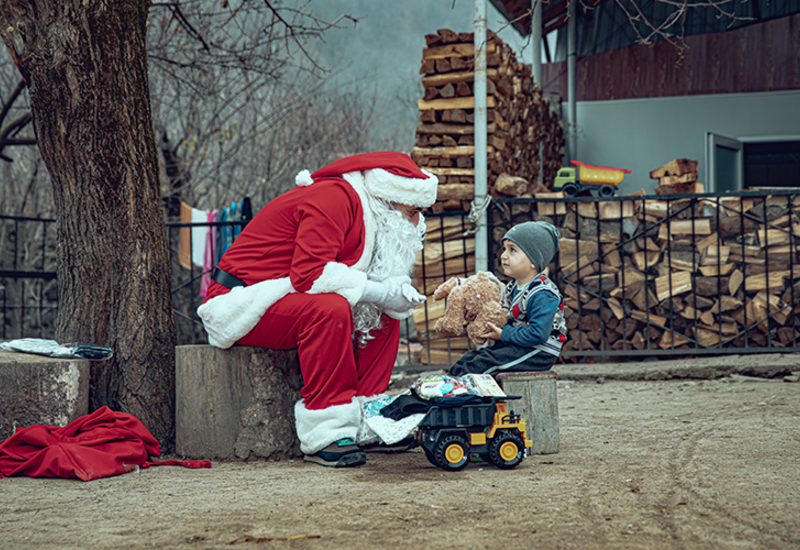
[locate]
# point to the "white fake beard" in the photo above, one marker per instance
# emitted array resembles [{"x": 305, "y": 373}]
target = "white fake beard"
[{"x": 397, "y": 242}]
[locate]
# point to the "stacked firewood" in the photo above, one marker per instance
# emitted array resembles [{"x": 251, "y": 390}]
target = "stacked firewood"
[
  {"x": 662, "y": 274},
  {"x": 519, "y": 119},
  {"x": 667, "y": 273},
  {"x": 520, "y": 122},
  {"x": 677, "y": 177}
]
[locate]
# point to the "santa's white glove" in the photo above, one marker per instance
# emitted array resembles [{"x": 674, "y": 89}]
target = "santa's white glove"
[
  {"x": 413, "y": 297},
  {"x": 410, "y": 293},
  {"x": 394, "y": 294}
]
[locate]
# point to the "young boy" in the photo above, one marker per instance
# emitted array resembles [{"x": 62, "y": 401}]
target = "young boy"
[{"x": 535, "y": 329}]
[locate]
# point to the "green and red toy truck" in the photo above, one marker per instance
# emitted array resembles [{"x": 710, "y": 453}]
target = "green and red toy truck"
[{"x": 599, "y": 181}]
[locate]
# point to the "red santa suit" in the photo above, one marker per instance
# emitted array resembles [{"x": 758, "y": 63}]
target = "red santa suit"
[{"x": 304, "y": 259}]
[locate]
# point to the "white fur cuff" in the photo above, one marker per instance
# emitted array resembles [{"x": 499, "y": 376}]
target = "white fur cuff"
[
  {"x": 340, "y": 279},
  {"x": 400, "y": 315},
  {"x": 317, "y": 429},
  {"x": 229, "y": 317}
]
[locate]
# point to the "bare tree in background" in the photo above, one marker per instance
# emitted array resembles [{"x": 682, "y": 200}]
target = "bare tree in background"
[
  {"x": 231, "y": 84},
  {"x": 226, "y": 80},
  {"x": 85, "y": 65}
]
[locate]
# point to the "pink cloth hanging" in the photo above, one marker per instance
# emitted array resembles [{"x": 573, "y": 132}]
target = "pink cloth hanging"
[{"x": 208, "y": 263}]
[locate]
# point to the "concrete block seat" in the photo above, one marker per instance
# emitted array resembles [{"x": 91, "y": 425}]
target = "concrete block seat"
[{"x": 35, "y": 389}]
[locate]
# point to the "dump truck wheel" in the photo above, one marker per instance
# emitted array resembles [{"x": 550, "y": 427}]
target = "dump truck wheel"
[
  {"x": 607, "y": 191},
  {"x": 451, "y": 452},
  {"x": 570, "y": 189},
  {"x": 507, "y": 450},
  {"x": 430, "y": 456}
]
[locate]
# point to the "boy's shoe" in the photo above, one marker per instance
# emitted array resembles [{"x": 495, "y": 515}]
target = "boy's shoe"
[
  {"x": 401, "y": 446},
  {"x": 339, "y": 454}
]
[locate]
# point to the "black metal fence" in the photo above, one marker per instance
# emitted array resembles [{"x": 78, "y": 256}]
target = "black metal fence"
[
  {"x": 28, "y": 285},
  {"x": 449, "y": 251},
  {"x": 641, "y": 275},
  {"x": 28, "y": 288},
  {"x": 672, "y": 274}
]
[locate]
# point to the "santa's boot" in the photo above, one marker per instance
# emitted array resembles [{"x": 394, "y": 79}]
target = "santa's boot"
[{"x": 327, "y": 436}]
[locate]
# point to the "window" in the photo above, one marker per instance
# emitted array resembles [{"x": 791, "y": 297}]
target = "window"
[{"x": 772, "y": 164}]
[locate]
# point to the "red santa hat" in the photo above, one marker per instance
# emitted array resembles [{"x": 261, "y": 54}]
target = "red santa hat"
[{"x": 388, "y": 175}]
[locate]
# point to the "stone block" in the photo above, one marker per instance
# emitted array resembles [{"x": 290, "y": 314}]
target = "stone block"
[
  {"x": 538, "y": 406},
  {"x": 35, "y": 389},
  {"x": 236, "y": 403}
]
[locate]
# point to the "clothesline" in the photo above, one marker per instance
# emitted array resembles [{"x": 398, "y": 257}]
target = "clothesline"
[{"x": 205, "y": 244}]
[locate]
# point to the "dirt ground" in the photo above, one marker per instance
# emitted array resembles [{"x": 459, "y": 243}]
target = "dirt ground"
[{"x": 674, "y": 464}]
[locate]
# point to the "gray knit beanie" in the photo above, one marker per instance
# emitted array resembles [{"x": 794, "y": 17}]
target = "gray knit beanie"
[{"x": 538, "y": 240}]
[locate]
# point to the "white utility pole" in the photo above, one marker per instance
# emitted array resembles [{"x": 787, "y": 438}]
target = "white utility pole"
[
  {"x": 536, "y": 41},
  {"x": 572, "y": 58},
  {"x": 479, "y": 91},
  {"x": 536, "y": 63}
]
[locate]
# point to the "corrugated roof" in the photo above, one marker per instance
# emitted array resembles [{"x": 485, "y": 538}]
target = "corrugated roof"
[{"x": 604, "y": 25}]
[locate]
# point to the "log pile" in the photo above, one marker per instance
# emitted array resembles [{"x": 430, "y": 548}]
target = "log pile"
[
  {"x": 519, "y": 119},
  {"x": 702, "y": 275},
  {"x": 677, "y": 177},
  {"x": 519, "y": 123},
  {"x": 664, "y": 273}
]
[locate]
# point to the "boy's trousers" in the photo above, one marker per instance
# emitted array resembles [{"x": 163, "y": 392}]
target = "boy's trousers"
[{"x": 502, "y": 358}]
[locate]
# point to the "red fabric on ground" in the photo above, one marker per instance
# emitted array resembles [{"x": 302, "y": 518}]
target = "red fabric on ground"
[{"x": 101, "y": 444}]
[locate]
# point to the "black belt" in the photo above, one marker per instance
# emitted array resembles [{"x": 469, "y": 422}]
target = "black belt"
[{"x": 226, "y": 279}]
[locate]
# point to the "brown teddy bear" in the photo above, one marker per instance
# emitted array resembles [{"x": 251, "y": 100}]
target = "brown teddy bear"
[{"x": 474, "y": 301}]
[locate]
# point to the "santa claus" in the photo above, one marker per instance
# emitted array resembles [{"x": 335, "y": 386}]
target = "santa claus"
[{"x": 325, "y": 268}]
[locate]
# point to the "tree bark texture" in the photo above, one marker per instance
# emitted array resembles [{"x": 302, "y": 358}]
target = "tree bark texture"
[{"x": 85, "y": 65}]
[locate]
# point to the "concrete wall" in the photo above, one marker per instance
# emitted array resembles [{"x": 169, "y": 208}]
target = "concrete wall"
[{"x": 643, "y": 134}]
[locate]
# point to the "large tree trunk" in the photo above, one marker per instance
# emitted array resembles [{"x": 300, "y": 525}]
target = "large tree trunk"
[{"x": 85, "y": 65}]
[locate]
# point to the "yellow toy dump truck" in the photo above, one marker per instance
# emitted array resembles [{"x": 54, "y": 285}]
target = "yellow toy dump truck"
[
  {"x": 451, "y": 435},
  {"x": 599, "y": 181}
]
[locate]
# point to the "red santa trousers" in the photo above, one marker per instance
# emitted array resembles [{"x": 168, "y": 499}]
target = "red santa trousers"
[{"x": 320, "y": 326}]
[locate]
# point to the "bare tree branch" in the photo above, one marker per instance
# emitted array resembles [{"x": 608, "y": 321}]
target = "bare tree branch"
[{"x": 15, "y": 126}]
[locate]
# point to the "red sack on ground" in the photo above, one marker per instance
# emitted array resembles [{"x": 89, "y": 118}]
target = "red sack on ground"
[{"x": 101, "y": 444}]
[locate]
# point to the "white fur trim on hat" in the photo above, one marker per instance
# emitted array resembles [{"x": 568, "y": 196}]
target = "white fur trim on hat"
[
  {"x": 417, "y": 192},
  {"x": 303, "y": 178},
  {"x": 318, "y": 428}
]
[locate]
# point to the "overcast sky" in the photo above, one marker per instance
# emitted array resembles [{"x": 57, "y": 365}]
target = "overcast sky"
[{"x": 383, "y": 51}]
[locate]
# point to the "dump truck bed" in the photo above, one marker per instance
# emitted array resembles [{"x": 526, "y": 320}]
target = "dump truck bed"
[{"x": 472, "y": 414}]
